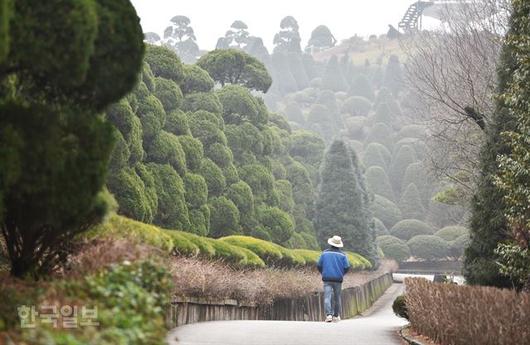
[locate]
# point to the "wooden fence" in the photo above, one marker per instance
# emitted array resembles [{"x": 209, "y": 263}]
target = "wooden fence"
[{"x": 186, "y": 310}]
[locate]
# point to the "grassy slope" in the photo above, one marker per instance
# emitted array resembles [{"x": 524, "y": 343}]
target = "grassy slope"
[{"x": 240, "y": 250}]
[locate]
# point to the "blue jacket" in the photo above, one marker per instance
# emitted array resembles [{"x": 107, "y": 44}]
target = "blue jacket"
[{"x": 333, "y": 264}]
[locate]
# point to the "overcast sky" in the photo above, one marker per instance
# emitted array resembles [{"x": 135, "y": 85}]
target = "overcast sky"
[{"x": 211, "y": 19}]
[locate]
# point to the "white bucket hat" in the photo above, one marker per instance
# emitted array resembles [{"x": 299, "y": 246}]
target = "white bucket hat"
[{"x": 336, "y": 241}]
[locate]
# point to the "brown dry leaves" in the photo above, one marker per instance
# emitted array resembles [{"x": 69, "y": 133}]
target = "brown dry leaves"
[{"x": 452, "y": 314}]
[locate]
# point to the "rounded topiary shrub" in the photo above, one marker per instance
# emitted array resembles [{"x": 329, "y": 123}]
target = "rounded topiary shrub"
[
  {"x": 386, "y": 211},
  {"x": 196, "y": 190},
  {"x": 428, "y": 247},
  {"x": 451, "y": 233},
  {"x": 214, "y": 177},
  {"x": 400, "y": 307},
  {"x": 224, "y": 217},
  {"x": 377, "y": 181},
  {"x": 408, "y": 228},
  {"x": 380, "y": 228},
  {"x": 168, "y": 92},
  {"x": 458, "y": 246},
  {"x": 393, "y": 247}
]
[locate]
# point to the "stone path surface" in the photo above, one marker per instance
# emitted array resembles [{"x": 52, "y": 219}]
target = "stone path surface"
[{"x": 376, "y": 326}]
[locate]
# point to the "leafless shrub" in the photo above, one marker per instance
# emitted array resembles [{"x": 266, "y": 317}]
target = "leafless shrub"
[
  {"x": 470, "y": 315},
  {"x": 199, "y": 278},
  {"x": 452, "y": 74},
  {"x": 93, "y": 255}
]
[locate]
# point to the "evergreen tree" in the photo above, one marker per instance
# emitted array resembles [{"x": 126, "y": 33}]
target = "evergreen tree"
[
  {"x": 489, "y": 225},
  {"x": 333, "y": 78},
  {"x": 179, "y": 35},
  {"x": 339, "y": 208},
  {"x": 288, "y": 39},
  {"x": 410, "y": 203}
]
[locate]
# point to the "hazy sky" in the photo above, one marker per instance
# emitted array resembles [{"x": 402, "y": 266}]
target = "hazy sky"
[{"x": 211, "y": 19}]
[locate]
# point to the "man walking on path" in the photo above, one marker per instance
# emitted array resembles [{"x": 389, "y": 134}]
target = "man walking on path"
[{"x": 333, "y": 264}]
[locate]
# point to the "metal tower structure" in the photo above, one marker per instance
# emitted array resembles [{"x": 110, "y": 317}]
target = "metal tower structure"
[{"x": 411, "y": 21}]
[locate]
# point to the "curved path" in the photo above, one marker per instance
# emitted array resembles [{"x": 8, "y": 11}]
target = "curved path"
[{"x": 376, "y": 326}]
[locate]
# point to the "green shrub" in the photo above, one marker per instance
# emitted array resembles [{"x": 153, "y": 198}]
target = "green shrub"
[
  {"x": 399, "y": 306},
  {"x": 269, "y": 252},
  {"x": 196, "y": 80},
  {"x": 193, "y": 151},
  {"x": 428, "y": 247},
  {"x": 403, "y": 158},
  {"x": 120, "y": 154},
  {"x": 206, "y": 131},
  {"x": 380, "y": 228},
  {"x": 121, "y": 115},
  {"x": 451, "y": 233},
  {"x": 164, "y": 63},
  {"x": 356, "y": 106},
  {"x": 241, "y": 195},
  {"x": 230, "y": 173},
  {"x": 310, "y": 256},
  {"x": 132, "y": 196},
  {"x": 412, "y": 131},
  {"x": 195, "y": 189},
  {"x": 203, "y": 115},
  {"x": 182, "y": 245},
  {"x": 169, "y": 94},
  {"x": 261, "y": 181},
  {"x": 382, "y": 134},
  {"x": 117, "y": 227},
  {"x": 408, "y": 228},
  {"x": 377, "y": 154},
  {"x": 411, "y": 204},
  {"x": 358, "y": 262},
  {"x": 244, "y": 139},
  {"x": 152, "y": 115},
  {"x": 417, "y": 173},
  {"x": 276, "y": 222},
  {"x": 207, "y": 101},
  {"x": 224, "y": 217},
  {"x": 393, "y": 248},
  {"x": 285, "y": 194},
  {"x": 172, "y": 210},
  {"x": 458, "y": 246},
  {"x": 239, "y": 105},
  {"x": 200, "y": 223},
  {"x": 177, "y": 123},
  {"x": 214, "y": 177},
  {"x": 386, "y": 211},
  {"x": 165, "y": 148},
  {"x": 219, "y": 154},
  {"x": 148, "y": 77},
  {"x": 377, "y": 181}
]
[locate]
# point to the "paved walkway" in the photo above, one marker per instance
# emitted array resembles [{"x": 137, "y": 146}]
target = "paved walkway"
[{"x": 377, "y": 326}]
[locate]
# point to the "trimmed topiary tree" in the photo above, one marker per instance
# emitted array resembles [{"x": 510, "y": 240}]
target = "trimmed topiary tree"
[
  {"x": 386, "y": 211},
  {"x": 214, "y": 177},
  {"x": 404, "y": 157},
  {"x": 378, "y": 183},
  {"x": 195, "y": 189},
  {"x": 196, "y": 80},
  {"x": 169, "y": 93},
  {"x": 451, "y": 233},
  {"x": 377, "y": 154},
  {"x": 192, "y": 151},
  {"x": 276, "y": 223},
  {"x": 166, "y": 148},
  {"x": 393, "y": 248},
  {"x": 408, "y": 228},
  {"x": 172, "y": 210},
  {"x": 339, "y": 206},
  {"x": 411, "y": 204},
  {"x": 380, "y": 228},
  {"x": 428, "y": 247},
  {"x": 224, "y": 217},
  {"x": 207, "y": 101}
]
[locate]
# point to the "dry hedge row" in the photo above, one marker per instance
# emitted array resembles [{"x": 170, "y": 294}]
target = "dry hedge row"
[{"x": 453, "y": 315}]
